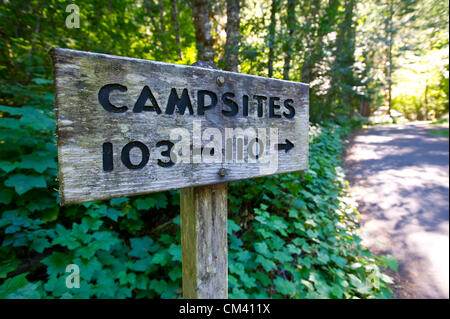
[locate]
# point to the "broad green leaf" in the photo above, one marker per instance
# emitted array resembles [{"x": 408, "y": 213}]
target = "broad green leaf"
[
  {"x": 57, "y": 262},
  {"x": 12, "y": 110},
  {"x": 175, "y": 252},
  {"x": 11, "y": 285},
  {"x": 142, "y": 282},
  {"x": 263, "y": 278},
  {"x": 7, "y": 266},
  {"x": 232, "y": 226},
  {"x": 114, "y": 214},
  {"x": 267, "y": 264},
  {"x": 169, "y": 292},
  {"x": 42, "y": 81},
  {"x": 39, "y": 244},
  {"x": 141, "y": 246},
  {"x": 390, "y": 261},
  {"x": 145, "y": 204},
  {"x": 158, "y": 286},
  {"x": 262, "y": 248},
  {"x": 37, "y": 163},
  {"x": 323, "y": 256},
  {"x": 8, "y": 166},
  {"x": 65, "y": 237},
  {"x": 340, "y": 261},
  {"x": 143, "y": 264},
  {"x": 161, "y": 258},
  {"x": 105, "y": 239},
  {"x": 282, "y": 257},
  {"x": 6, "y": 196},
  {"x": 118, "y": 201},
  {"x": 285, "y": 287},
  {"x": 23, "y": 183},
  {"x": 29, "y": 291},
  {"x": 175, "y": 273}
]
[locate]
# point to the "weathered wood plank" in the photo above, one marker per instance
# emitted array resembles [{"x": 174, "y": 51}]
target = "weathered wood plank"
[
  {"x": 84, "y": 125},
  {"x": 204, "y": 241}
]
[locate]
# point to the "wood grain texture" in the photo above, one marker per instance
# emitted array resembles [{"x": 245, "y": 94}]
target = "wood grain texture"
[
  {"x": 204, "y": 246},
  {"x": 83, "y": 125},
  {"x": 204, "y": 252}
]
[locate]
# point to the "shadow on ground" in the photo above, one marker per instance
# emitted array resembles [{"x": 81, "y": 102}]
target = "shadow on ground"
[{"x": 399, "y": 177}]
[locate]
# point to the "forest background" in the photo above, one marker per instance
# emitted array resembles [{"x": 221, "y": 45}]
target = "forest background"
[{"x": 290, "y": 236}]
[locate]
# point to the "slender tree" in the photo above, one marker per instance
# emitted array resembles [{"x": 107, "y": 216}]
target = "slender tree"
[
  {"x": 272, "y": 27},
  {"x": 394, "y": 20},
  {"x": 176, "y": 27},
  {"x": 320, "y": 21},
  {"x": 312, "y": 37},
  {"x": 233, "y": 39},
  {"x": 341, "y": 93},
  {"x": 152, "y": 12},
  {"x": 289, "y": 41},
  {"x": 200, "y": 15},
  {"x": 161, "y": 16},
  {"x": 389, "y": 31}
]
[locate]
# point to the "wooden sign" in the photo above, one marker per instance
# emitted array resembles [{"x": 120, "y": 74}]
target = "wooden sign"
[{"x": 128, "y": 126}]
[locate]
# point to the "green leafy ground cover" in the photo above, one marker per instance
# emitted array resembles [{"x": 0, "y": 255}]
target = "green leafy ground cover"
[
  {"x": 290, "y": 236},
  {"x": 443, "y": 133}
]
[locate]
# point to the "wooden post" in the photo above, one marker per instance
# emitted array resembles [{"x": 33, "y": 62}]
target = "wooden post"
[{"x": 204, "y": 246}]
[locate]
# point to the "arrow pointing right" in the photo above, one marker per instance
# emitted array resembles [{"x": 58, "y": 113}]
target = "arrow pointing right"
[{"x": 286, "y": 147}]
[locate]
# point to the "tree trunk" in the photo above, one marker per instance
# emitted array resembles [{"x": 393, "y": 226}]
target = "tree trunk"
[
  {"x": 200, "y": 14},
  {"x": 159, "y": 25},
  {"x": 34, "y": 38},
  {"x": 272, "y": 28},
  {"x": 161, "y": 17},
  {"x": 176, "y": 27},
  {"x": 313, "y": 39},
  {"x": 344, "y": 53},
  {"x": 389, "y": 68},
  {"x": 289, "y": 42},
  {"x": 232, "y": 30}
]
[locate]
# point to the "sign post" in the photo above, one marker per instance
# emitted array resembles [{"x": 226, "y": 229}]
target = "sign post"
[
  {"x": 204, "y": 242},
  {"x": 204, "y": 249},
  {"x": 129, "y": 126}
]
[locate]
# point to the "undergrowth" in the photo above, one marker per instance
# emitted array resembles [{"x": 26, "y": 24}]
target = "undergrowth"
[{"x": 290, "y": 236}]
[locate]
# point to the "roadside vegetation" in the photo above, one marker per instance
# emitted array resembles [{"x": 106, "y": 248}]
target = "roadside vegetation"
[{"x": 290, "y": 236}]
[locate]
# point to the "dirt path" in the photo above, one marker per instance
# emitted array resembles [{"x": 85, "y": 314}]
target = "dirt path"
[{"x": 399, "y": 174}]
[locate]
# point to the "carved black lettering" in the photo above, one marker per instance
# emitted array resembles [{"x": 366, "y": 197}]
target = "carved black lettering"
[
  {"x": 201, "y": 107},
  {"x": 245, "y": 105},
  {"x": 260, "y": 99},
  {"x": 226, "y": 99},
  {"x": 165, "y": 153},
  {"x": 125, "y": 156},
  {"x": 288, "y": 105},
  {"x": 108, "y": 157},
  {"x": 180, "y": 103},
  {"x": 103, "y": 97},
  {"x": 273, "y": 107},
  {"x": 145, "y": 95}
]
